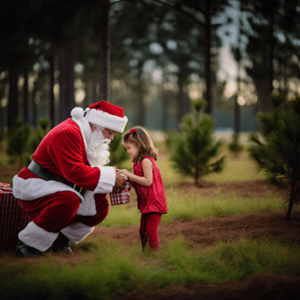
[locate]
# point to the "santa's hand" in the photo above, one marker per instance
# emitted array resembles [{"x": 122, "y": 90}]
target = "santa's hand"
[{"x": 120, "y": 181}]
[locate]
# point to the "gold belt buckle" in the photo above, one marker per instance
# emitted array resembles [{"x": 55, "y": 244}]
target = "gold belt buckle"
[{"x": 74, "y": 187}]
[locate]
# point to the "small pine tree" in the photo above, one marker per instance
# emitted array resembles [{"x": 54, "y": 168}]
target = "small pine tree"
[
  {"x": 118, "y": 153},
  {"x": 277, "y": 151},
  {"x": 17, "y": 140},
  {"x": 235, "y": 147},
  {"x": 38, "y": 134},
  {"x": 22, "y": 141},
  {"x": 194, "y": 147}
]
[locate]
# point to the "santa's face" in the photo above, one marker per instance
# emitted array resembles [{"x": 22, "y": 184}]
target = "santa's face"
[
  {"x": 97, "y": 147},
  {"x": 108, "y": 133},
  {"x": 132, "y": 150}
]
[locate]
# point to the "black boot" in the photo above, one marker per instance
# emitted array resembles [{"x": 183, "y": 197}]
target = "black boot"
[
  {"x": 61, "y": 244},
  {"x": 26, "y": 251}
]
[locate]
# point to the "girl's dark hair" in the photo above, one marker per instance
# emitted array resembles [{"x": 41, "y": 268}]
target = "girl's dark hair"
[{"x": 140, "y": 138}]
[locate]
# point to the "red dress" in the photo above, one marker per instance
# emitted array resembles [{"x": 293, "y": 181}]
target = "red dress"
[{"x": 150, "y": 198}]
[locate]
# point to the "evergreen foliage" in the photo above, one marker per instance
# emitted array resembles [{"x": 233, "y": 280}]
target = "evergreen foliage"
[
  {"x": 277, "y": 151},
  {"x": 38, "y": 134},
  {"x": 118, "y": 153},
  {"x": 194, "y": 148},
  {"x": 22, "y": 141},
  {"x": 17, "y": 140},
  {"x": 235, "y": 147}
]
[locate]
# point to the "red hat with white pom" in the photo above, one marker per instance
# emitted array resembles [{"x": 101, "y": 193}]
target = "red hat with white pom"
[{"x": 104, "y": 114}]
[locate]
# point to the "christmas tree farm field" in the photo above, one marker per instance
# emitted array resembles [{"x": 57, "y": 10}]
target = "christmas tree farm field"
[{"x": 224, "y": 239}]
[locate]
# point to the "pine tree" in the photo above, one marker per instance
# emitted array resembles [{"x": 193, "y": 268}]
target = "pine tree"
[
  {"x": 278, "y": 150},
  {"x": 17, "y": 140},
  {"x": 118, "y": 153},
  {"x": 194, "y": 147}
]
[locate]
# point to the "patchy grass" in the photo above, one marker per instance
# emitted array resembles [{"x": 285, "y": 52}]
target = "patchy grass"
[{"x": 113, "y": 269}]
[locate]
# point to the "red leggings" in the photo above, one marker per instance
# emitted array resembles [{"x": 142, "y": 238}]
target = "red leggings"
[
  {"x": 54, "y": 212},
  {"x": 148, "y": 230}
]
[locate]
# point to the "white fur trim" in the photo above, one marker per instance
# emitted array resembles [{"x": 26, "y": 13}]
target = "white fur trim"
[
  {"x": 77, "y": 113},
  {"x": 77, "y": 232},
  {"x": 37, "y": 237},
  {"x": 106, "y": 181},
  {"x": 85, "y": 129},
  {"x": 34, "y": 188},
  {"x": 88, "y": 207},
  {"x": 106, "y": 120}
]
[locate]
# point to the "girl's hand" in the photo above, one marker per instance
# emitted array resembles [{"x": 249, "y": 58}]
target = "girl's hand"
[{"x": 125, "y": 172}]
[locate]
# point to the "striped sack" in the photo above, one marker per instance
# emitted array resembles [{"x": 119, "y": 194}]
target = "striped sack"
[
  {"x": 12, "y": 218},
  {"x": 121, "y": 197}
]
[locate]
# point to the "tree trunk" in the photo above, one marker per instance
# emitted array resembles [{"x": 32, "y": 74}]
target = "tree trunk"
[
  {"x": 104, "y": 51},
  {"x": 290, "y": 206},
  {"x": 95, "y": 92},
  {"x": 271, "y": 52},
  {"x": 196, "y": 177},
  {"x": 25, "y": 94},
  {"x": 294, "y": 197},
  {"x": 87, "y": 94},
  {"x": 34, "y": 105},
  {"x": 13, "y": 103},
  {"x": 208, "y": 108},
  {"x": 237, "y": 108},
  {"x": 181, "y": 103},
  {"x": 164, "y": 113},
  {"x": 52, "y": 98},
  {"x": 141, "y": 112},
  {"x": 291, "y": 200},
  {"x": 66, "y": 81}
]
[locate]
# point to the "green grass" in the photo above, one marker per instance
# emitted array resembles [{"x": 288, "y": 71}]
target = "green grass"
[
  {"x": 113, "y": 269},
  {"x": 107, "y": 268},
  {"x": 193, "y": 206}
]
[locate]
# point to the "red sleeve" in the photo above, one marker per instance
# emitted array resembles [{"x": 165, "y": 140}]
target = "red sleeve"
[{"x": 67, "y": 152}]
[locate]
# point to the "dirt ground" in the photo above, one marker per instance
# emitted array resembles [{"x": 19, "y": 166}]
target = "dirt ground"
[{"x": 208, "y": 231}]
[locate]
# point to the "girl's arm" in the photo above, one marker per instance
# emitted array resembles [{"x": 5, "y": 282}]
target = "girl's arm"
[{"x": 145, "y": 180}]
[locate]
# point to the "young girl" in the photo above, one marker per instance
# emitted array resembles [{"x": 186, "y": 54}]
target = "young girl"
[{"x": 147, "y": 182}]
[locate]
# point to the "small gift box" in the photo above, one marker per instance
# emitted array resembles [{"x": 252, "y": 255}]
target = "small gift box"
[
  {"x": 121, "y": 197},
  {"x": 4, "y": 185},
  {"x": 12, "y": 218}
]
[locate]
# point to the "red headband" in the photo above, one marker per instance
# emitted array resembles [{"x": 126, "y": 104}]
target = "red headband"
[{"x": 132, "y": 130}]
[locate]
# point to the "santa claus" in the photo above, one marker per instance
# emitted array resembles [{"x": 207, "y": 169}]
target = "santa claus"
[{"x": 64, "y": 187}]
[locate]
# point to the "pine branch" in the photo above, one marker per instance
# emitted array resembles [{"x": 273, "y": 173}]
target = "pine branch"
[{"x": 182, "y": 11}]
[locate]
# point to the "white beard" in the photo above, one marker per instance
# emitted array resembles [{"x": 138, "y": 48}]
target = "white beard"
[{"x": 97, "y": 149}]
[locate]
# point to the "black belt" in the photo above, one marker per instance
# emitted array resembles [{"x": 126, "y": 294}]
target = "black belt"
[{"x": 41, "y": 172}]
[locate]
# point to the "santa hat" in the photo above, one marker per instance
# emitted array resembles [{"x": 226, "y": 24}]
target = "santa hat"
[{"x": 104, "y": 114}]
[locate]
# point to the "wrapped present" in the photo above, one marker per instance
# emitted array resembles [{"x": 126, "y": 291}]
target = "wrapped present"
[
  {"x": 4, "y": 185},
  {"x": 121, "y": 197},
  {"x": 12, "y": 218}
]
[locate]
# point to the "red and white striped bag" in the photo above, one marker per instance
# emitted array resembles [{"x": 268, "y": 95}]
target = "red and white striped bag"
[
  {"x": 12, "y": 218},
  {"x": 121, "y": 197}
]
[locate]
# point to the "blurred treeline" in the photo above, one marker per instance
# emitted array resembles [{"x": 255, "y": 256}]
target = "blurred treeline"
[{"x": 149, "y": 56}]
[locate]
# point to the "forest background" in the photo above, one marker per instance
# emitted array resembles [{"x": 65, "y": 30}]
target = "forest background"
[{"x": 149, "y": 56}]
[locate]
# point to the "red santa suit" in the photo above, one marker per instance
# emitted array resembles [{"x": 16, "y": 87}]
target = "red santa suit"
[{"x": 54, "y": 206}]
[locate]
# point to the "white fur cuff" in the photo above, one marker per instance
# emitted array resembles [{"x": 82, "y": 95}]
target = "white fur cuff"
[
  {"x": 77, "y": 232},
  {"x": 37, "y": 237},
  {"x": 106, "y": 181}
]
